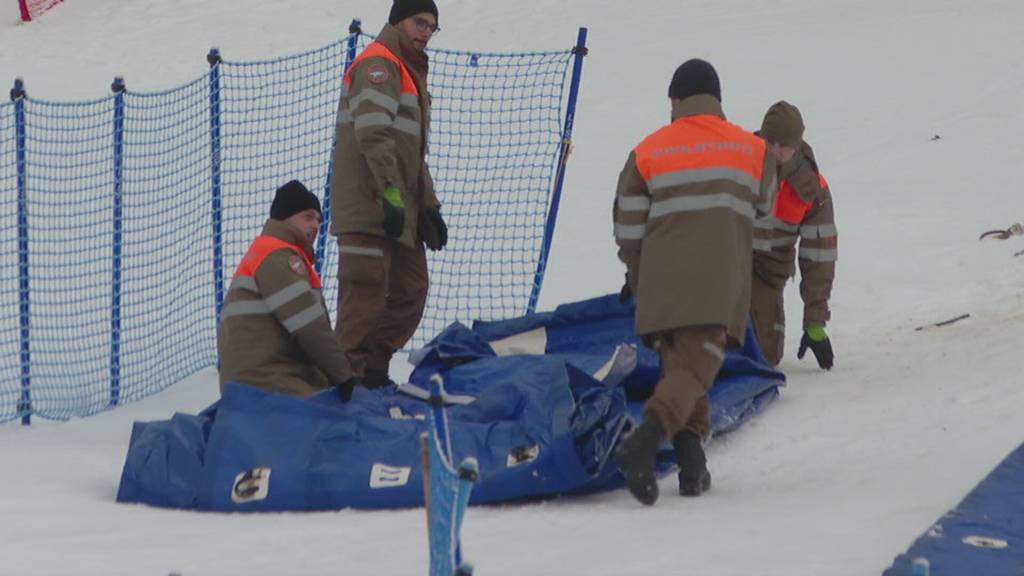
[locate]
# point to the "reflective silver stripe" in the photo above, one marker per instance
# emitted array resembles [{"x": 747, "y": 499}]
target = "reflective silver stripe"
[
  {"x": 360, "y": 250},
  {"x": 765, "y": 245},
  {"x": 244, "y": 283},
  {"x": 694, "y": 175},
  {"x": 286, "y": 295},
  {"x": 244, "y": 308},
  {"x": 624, "y": 232},
  {"x": 634, "y": 203},
  {"x": 304, "y": 318},
  {"x": 345, "y": 116},
  {"x": 818, "y": 254},
  {"x": 766, "y": 206},
  {"x": 772, "y": 223},
  {"x": 780, "y": 328},
  {"x": 372, "y": 119},
  {"x": 715, "y": 350},
  {"x": 410, "y": 100},
  {"x": 407, "y": 125},
  {"x": 379, "y": 98},
  {"x": 698, "y": 203},
  {"x": 823, "y": 231}
]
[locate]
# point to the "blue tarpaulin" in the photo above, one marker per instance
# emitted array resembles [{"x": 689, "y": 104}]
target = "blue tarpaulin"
[
  {"x": 539, "y": 401},
  {"x": 983, "y": 535}
]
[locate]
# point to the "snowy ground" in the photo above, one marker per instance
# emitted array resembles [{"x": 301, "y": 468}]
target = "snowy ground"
[{"x": 841, "y": 474}]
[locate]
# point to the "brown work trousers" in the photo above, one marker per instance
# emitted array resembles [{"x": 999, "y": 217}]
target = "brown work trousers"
[
  {"x": 768, "y": 316},
  {"x": 382, "y": 290},
  {"x": 690, "y": 359}
]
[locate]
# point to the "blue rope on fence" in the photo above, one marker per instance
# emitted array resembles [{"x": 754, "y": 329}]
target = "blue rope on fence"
[{"x": 114, "y": 212}]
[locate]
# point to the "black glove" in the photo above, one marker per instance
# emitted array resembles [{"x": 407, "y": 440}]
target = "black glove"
[
  {"x": 433, "y": 230},
  {"x": 822, "y": 350},
  {"x": 394, "y": 212},
  {"x": 345, "y": 388},
  {"x": 626, "y": 293}
]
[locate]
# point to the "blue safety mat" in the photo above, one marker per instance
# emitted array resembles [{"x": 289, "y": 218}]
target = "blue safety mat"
[
  {"x": 983, "y": 535},
  {"x": 540, "y": 420}
]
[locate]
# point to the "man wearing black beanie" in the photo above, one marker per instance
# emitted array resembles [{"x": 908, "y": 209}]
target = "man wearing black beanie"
[
  {"x": 683, "y": 220},
  {"x": 274, "y": 330},
  {"x": 383, "y": 206}
]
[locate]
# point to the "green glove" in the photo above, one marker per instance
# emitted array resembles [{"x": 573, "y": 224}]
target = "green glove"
[
  {"x": 817, "y": 341},
  {"x": 817, "y": 333},
  {"x": 394, "y": 212}
]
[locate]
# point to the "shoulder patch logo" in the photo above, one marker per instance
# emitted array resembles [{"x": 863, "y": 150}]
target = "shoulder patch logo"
[
  {"x": 377, "y": 74},
  {"x": 296, "y": 265}
]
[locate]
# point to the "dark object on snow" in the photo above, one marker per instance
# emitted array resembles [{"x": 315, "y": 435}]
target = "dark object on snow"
[
  {"x": 637, "y": 457},
  {"x": 1019, "y": 253},
  {"x": 822, "y": 351},
  {"x": 943, "y": 323},
  {"x": 1015, "y": 230},
  {"x": 936, "y": 137},
  {"x": 694, "y": 478}
]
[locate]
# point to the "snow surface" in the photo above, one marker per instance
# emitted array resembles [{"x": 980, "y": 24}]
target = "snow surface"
[{"x": 841, "y": 474}]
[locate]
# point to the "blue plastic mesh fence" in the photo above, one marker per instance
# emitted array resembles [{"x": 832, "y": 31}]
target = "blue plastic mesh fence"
[
  {"x": 69, "y": 163},
  {"x": 123, "y": 242},
  {"x": 168, "y": 320}
]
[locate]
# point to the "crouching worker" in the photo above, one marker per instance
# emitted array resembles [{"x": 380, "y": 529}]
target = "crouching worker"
[{"x": 274, "y": 330}]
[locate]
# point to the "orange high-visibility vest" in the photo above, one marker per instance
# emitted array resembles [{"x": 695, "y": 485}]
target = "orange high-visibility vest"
[
  {"x": 789, "y": 207},
  {"x": 261, "y": 247},
  {"x": 700, "y": 141},
  {"x": 378, "y": 50}
]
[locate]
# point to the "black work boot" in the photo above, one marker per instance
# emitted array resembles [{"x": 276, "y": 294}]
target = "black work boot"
[
  {"x": 636, "y": 457},
  {"x": 376, "y": 378},
  {"x": 694, "y": 477}
]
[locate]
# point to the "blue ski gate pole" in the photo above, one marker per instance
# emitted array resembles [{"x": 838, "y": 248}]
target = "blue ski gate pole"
[
  {"x": 446, "y": 490},
  {"x": 115, "y": 285},
  {"x": 25, "y": 402},
  {"x": 218, "y": 240},
  {"x": 580, "y": 50}
]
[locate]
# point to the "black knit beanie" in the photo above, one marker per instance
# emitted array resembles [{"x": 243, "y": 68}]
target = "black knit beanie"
[
  {"x": 291, "y": 199},
  {"x": 695, "y": 77},
  {"x": 402, "y": 9}
]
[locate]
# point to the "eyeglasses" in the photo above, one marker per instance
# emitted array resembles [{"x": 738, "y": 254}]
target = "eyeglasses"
[{"x": 424, "y": 25}]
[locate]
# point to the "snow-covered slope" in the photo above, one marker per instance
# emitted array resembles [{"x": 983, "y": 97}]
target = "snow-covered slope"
[{"x": 839, "y": 476}]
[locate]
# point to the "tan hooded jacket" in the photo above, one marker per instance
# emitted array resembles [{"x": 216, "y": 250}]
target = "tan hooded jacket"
[
  {"x": 382, "y": 128},
  {"x": 684, "y": 213},
  {"x": 274, "y": 330},
  {"x": 775, "y": 242}
]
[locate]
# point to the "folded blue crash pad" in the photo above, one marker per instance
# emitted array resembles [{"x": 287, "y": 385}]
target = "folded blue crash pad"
[{"x": 539, "y": 401}]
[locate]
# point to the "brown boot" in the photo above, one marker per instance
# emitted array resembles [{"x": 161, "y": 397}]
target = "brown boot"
[
  {"x": 694, "y": 478},
  {"x": 636, "y": 457}
]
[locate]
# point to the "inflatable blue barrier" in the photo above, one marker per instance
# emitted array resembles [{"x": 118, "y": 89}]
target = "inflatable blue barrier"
[
  {"x": 539, "y": 401},
  {"x": 983, "y": 535}
]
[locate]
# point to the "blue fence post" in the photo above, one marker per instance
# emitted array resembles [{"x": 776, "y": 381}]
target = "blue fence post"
[
  {"x": 214, "y": 60},
  {"x": 25, "y": 402},
  {"x": 580, "y": 50},
  {"x": 118, "y": 88},
  {"x": 354, "y": 30}
]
